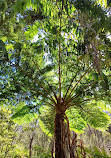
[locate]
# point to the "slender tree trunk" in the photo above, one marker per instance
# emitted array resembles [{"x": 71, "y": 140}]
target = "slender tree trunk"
[
  {"x": 30, "y": 147},
  {"x": 31, "y": 139},
  {"x": 59, "y": 144},
  {"x": 52, "y": 148}
]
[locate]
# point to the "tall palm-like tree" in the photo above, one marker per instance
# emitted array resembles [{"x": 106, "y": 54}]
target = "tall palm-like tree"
[{"x": 68, "y": 65}]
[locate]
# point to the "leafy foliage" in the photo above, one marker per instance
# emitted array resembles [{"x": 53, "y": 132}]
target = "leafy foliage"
[
  {"x": 8, "y": 133},
  {"x": 97, "y": 153}
]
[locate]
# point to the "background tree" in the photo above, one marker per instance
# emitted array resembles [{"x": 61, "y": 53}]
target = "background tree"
[{"x": 9, "y": 145}]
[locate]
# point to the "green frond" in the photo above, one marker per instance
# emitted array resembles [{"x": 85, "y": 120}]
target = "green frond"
[
  {"x": 76, "y": 122},
  {"x": 24, "y": 113},
  {"x": 97, "y": 153},
  {"x": 46, "y": 119}
]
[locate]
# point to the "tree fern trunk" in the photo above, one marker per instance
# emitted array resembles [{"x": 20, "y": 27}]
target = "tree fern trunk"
[
  {"x": 63, "y": 147},
  {"x": 59, "y": 144}
]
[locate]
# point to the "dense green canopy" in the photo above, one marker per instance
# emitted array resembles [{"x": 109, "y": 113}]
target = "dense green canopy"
[{"x": 56, "y": 52}]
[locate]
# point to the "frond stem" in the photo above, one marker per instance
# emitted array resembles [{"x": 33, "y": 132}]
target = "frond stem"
[
  {"x": 38, "y": 93},
  {"x": 48, "y": 84},
  {"x": 75, "y": 96},
  {"x": 60, "y": 60},
  {"x": 51, "y": 98},
  {"x": 78, "y": 82}
]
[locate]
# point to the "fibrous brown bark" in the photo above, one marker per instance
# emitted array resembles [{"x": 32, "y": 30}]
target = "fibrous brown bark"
[
  {"x": 65, "y": 142},
  {"x": 59, "y": 149}
]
